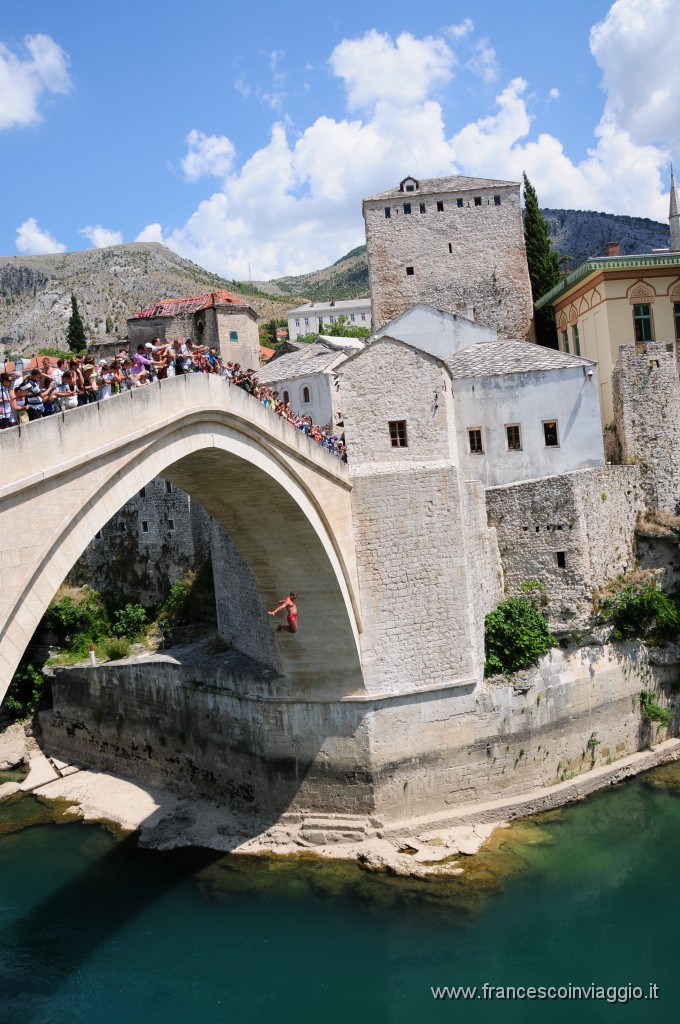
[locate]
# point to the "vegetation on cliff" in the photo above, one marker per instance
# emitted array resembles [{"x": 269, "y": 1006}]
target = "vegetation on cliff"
[{"x": 515, "y": 636}]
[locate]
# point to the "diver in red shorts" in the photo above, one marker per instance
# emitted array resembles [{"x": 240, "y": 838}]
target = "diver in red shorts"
[{"x": 292, "y": 616}]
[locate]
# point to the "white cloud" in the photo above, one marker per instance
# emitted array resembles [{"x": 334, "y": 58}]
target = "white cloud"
[
  {"x": 24, "y": 79},
  {"x": 554, "y": 94},
  {"x": 242, "y": 88},
  {"x": 375, "y": 68},
  {"x": 295, "y": 204},
  {"x": 636, "y": 46},
  {"x": 462, "y": 29},
  {"x": 151, "y": 233},
  {"x": 101, "y": 237},
  {"x": 211, "y": 155},
  {"x": 32, "y": 240},
  {"x": 483, "y": 62}
]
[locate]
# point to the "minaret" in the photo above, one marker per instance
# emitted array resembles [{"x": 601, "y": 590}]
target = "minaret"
[{"x": 674, "y": 215}]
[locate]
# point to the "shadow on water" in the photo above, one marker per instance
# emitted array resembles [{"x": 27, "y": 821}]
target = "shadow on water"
[{"x": 40, "y": 949}]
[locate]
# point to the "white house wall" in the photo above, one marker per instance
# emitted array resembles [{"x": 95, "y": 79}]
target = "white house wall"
[
  {"x": 528, "y": 399},
  {"x": 436, "y": 332}
]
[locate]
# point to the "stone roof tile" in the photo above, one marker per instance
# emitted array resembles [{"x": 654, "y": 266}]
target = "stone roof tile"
[
  {"x": 488, "y": 358},
  {"x": 455, "y": 183},
  {"x": 314, "y": 358}
]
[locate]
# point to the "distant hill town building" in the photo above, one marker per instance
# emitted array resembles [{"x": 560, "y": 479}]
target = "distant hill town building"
[
  {"x": 311, "y": 317},
  {"x": 215, "y": 318},
  {"x": 616, "y": 300},
  {"x": 455, "y": 243}
]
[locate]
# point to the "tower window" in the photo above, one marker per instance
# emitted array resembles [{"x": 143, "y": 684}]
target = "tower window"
[
  {"x": 397, "y": 430},
  {"x": 496, "y": 200},
  {"x": 388, "y": 212},
  {"x": 642, "y": 321},
  {"x": 440, "y": 206},
  {"x": 171, "y": 524},
  {"x": 410, "y": 272},
  {"x": 121, "y": 527},
  {"x": 407, "y": 207},
  {"x": 478, "y": 200},
  {"x": 142, "y": 493},
  {"x": 459, "y": 204},
  {"x": 450, "y": 247},
  {"x": 561, "y": 557},
  {"x": 475, "y": 439},
  {"x": 145, "y": 526},
  {"x": 168, "y": 487},
  {"x": 422, "y": 207}
]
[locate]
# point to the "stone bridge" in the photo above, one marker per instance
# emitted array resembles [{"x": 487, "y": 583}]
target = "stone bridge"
[{"x": 283, "y": 499}]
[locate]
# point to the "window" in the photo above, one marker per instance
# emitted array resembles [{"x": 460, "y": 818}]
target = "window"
[
  {"x": 388, "y": 212},
  {"x": 496, "y": 200},
  {"x": 305, "y": 395},
  {"x": 297, "y": 323},
  {"x": 575, "y": 339},
  {"x": 459, "y": 204},
  {"x": 286, "y": 396},
  {"x": 98, "y": 535},
  {"x": 171, "y": 524},
  {"x": 565, "y": 341},
  {"x": 145, "y": 526},
  {"x": 514, "y": 437},
  {"x": 475, "y": 438},
  {"x": 642, "y": 321},
  {"x": 409, "y": 272},
  {"x": 422, "y": 207},
  {"x": 561, "y": 557},
  {"x": 306, "y": 321},
  {"x": 331, "y": 319},
  {"x": 550, "y": 434},
  {"x": 233, "y": 335},
  {"x": 409, "y": 188},
  {"x": 363, "y": 316},
  {"x": 398, "y": 433},
  {"x": 407, "y": 207},
  {"x": 450, "y": 247},
  {"x": 478, "y": 200},
  {"x": 352, "y": 317},
  {"x": 168, "y": 487},
  {"x": 440, "y": 206},
  {"x": 121, "y": 527},
  {"x": 676, "y": 315},
  {"x": 142, "y": 493},
  {"x": 320, "y": 321}
]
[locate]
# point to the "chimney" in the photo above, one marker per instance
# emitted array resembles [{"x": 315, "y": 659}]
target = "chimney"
[
  {"x": 612, "y": 249},
  {"x": 332, "y": 302}
]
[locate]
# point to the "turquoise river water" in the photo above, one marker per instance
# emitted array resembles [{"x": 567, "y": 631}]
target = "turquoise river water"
[{"x": 94, "y": 930}]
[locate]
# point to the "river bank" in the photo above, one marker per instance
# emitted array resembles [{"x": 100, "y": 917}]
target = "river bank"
[{"x": 419, "y": 848}]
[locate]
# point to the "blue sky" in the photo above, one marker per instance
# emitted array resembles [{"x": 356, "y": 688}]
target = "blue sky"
[{"x": 245, "y": 137}]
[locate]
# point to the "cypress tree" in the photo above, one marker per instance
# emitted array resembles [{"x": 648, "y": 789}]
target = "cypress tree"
[
  {"x": 75, "y": 334},
  {"x": 544, "y": 264}
]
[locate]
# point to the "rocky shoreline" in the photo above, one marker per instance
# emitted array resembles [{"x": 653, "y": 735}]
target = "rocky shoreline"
[{"x": 412, "y": 848}]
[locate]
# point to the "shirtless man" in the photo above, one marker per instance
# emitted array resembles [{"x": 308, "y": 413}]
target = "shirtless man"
[{"x": 292, "y": 616}]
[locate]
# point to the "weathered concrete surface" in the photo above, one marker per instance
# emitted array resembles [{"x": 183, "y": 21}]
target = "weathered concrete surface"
[{"x": 66, "y": 475}]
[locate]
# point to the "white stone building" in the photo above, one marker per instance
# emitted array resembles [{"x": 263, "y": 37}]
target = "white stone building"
[
  {"x": 304, "y": 375},
  {"x": 455, "y": 243},
  {"x": 311, "y": 317}
]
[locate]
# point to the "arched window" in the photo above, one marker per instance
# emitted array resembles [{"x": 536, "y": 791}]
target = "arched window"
[
  {"x": 305, "y": 395},
  {"x": 286, "y": 396}
]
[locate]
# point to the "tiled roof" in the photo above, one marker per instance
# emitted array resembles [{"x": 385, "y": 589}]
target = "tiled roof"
[
  {"x": 455, "y": 183},
  {"x": 172, "y": 307},
  {"x": 488, "y": 358},
  {"x": 314, "y": 358}
]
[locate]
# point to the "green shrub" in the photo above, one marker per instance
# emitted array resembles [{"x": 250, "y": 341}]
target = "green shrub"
[
  {"x": 644, "y": 613},
  {"x": 115, "y": 647},
  {"x": 129, "y": 621},
  {"x": 83, "y": 615},
  {"x": 515, "y": 635},
  {"x": 653, "y": 712},
  {"x": 26, "y": 692},
  {"x": 178, "y": 598}
]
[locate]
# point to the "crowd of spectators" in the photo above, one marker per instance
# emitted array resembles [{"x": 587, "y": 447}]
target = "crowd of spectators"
[{"x": 71, "y": 383}]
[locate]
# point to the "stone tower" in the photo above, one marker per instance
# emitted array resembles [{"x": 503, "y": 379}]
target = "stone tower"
[
  {"x": 674, "y": 215},
  {"x": 453, "y": 243}
]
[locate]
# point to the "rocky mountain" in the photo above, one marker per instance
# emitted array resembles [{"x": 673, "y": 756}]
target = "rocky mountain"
[
  {"x": 110, "y": 285},
  {"x": 114, "y": 283},
  {"x": 576, "y": 234}
]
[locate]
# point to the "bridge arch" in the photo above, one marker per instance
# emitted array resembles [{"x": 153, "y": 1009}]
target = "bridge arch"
[{"x": 284, "y": 501}]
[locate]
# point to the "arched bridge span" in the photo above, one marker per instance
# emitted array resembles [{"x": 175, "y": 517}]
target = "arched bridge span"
[{"x": 284, "y": 501}]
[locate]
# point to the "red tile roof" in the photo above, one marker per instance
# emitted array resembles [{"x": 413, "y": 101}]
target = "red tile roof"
[
  {"x": 266, "y": 353},
  {"x": 171, "y": 307}
]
